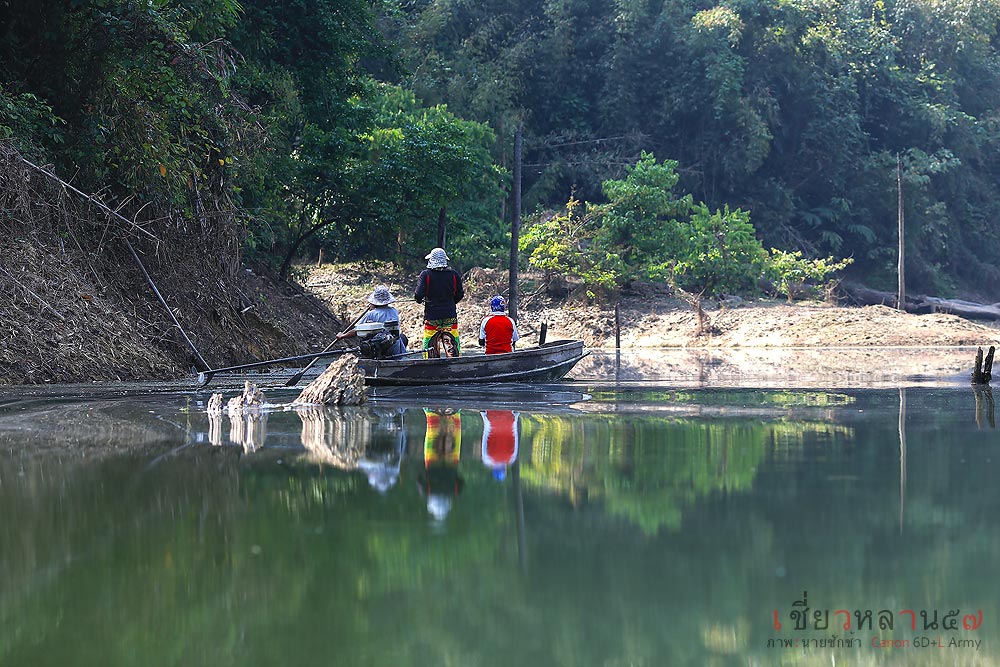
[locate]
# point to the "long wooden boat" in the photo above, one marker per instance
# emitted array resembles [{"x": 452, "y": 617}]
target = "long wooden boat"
[{"x": 545, "y": 363}]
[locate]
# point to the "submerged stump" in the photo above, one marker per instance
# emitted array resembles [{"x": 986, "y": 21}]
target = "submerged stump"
[
  {"x": 983, "y": 372},
  {"x": 342, "y": 383}
]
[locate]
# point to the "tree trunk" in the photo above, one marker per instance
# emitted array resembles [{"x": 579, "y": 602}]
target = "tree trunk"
[
  {"x": 442, "y": 227},
  {"x": 515, "y": 227}
]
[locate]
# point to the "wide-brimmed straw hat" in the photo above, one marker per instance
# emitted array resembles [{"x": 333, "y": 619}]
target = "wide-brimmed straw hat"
[
  {"x": 381, "y": 296},
  {"x": 436, "y": 259}
]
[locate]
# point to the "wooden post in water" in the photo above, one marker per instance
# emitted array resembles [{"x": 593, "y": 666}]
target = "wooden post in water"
[
  {"x": 982, "y": 373},
  {"x": 618, "y": 327},
  {"x": 515, "y": 226},
  {"x": 542, "y": 332},
  {"x": 618, "y": 343},
  {"x": 901, "y": 296}
]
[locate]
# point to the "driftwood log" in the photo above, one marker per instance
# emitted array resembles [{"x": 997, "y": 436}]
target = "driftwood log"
[{"x": 921, "y": 304}]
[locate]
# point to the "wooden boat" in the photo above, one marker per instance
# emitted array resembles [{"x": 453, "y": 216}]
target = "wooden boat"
[{"x": 545, "y": 363}]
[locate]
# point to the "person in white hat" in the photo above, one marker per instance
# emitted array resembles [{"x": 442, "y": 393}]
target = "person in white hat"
[
  {"x": 439, "y": 288},
  {"x": 381, "y": 310}
]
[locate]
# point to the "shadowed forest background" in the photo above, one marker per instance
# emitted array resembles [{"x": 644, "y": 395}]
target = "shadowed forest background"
[{"x": 676, "y": 141}]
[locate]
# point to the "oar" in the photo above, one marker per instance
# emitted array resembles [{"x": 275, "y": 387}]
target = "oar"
[
  {"x": 298, "y": 376},
  {"x": 206, "y": 376}
]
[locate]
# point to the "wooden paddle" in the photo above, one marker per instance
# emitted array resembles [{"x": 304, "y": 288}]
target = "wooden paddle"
[{"x": 298, "y": 376}]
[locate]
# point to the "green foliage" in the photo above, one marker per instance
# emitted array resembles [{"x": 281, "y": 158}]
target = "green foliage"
[
  {"x": 416, "y": 160},
  {"x": 792, "y": 110},
  {"x": 722, "y": 253},
  {"x": 125, "y": 98},
  {"x": 646, "y": 232},
  {"x": 639, "y": 222},
  {"x": 211, "y": 109},
  {"x": 24, "y": 117},
  {"x": 564, "y": 244},
  {"x": 791, "y": 272}
]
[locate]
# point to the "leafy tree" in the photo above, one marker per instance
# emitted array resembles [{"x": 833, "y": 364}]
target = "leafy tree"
[
  {"x": 304, "y": 71},
  {"x": 722, "y": 253},
  {"x": 645, "y": 231},
  {"x": 791, "y": 272},
  {"x": 563, "y": 244},
  {"x": 418, "y": 162},
  {"x": 640, "y": 219}
]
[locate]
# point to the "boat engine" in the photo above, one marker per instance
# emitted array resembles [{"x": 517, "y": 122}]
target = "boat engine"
[{"x": 378, "y": 345}]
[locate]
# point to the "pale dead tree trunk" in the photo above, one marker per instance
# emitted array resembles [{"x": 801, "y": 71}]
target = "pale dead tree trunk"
[{"x": 901, "y": 296}]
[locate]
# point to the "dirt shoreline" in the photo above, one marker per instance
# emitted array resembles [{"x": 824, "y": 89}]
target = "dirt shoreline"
[
  {"x": 97, "y": 335},
  {"x": 744, "y": 341},
  {"x": 651, "y": 318}
]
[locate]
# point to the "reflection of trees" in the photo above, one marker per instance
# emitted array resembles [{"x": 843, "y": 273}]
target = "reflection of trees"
[
  {"x": 215, "y": 558},
  {"x": 649, "y": 469}
]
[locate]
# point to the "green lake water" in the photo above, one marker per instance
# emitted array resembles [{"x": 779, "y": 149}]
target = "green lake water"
[{"x": 623, "y": 526}]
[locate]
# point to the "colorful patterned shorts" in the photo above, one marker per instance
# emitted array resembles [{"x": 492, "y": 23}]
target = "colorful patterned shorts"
[{"x": 447, "y": 326}]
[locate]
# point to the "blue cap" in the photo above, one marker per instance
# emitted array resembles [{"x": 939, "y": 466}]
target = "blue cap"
[{"x": 498, "y": 304}]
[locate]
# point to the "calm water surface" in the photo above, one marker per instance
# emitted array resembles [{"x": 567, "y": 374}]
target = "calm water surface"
[{"x": 586, "y": 525}]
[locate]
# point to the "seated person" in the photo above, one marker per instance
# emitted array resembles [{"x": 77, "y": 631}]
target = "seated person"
[
  {"x": 498, "y": 332},
  {"x": 393, "y": 341}
]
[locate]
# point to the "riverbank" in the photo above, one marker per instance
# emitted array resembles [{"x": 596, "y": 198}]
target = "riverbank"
[
  {"x": 66, "y": 320},
  {"x": 651, "y": 317},
  {"x": 63, "y": 323}
]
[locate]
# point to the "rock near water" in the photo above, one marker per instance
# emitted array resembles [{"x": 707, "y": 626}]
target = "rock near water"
[{"x": 342, "y": 383}]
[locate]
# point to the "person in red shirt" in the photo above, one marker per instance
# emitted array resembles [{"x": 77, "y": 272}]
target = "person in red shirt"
[{"x": 498, "y": 332}]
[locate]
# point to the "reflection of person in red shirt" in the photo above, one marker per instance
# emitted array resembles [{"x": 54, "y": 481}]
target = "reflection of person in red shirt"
[
  {"x": 499, "y": 440},
  {"x": 498, "y": 332}
]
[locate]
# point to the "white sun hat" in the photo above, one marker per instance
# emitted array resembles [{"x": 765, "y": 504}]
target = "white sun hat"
[
  {"x": 381, "y": 296},
  {"x": 437, "y": 259}
]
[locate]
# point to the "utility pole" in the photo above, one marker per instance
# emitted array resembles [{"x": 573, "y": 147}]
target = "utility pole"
[{"x": 515, "y": 226}]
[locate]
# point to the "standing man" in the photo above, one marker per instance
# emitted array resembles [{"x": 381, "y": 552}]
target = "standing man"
[
  {"x": 498, "y": 332},
  {"x": 439, "y": 288}
]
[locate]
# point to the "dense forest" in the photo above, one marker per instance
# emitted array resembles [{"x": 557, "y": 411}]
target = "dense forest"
[{"x": 718, "y": 147}]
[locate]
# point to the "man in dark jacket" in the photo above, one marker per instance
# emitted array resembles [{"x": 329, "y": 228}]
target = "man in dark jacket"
[{"x": 439, "y": 288}]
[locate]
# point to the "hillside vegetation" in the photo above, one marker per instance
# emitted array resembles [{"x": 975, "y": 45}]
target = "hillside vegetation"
[{"x": 744, "y": 147}]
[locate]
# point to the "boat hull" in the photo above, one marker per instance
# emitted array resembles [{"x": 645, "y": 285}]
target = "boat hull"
[{"x": 538, "y": 364}]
